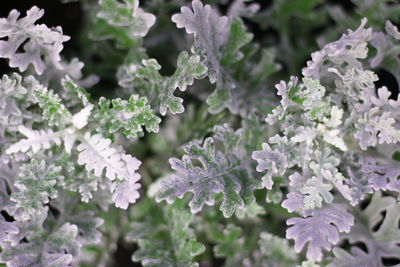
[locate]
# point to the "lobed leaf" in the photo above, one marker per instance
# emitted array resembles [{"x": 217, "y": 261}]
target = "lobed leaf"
[
  {"x": 129, "y": 115},
  {"x": 40, "y": 44},
  {"x": 222, "y": 171},
  {"x": 320, "y": 230},
  {"x": 35, "y": 141},
  {"x": 37, "y": 183},
  {"x": 97, "y": 155},
  {"x": 166, "y": 238},
  {"x": 145, "y": 78}
]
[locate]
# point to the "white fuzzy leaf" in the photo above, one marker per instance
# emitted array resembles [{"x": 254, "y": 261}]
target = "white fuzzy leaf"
[
  {"x": 39, "y": 43},
  {"x": 320, "y": 230},
  {"x": 96, "y": 153},
  {"x": 127, "y": 192},
  {"x": 80, "y": 119},
  {"x": 36, "y": 140}
]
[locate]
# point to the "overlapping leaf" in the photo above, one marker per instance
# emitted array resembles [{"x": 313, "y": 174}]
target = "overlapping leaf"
[
  {"x": 226, "y": 171},
  {"x": 380, "y": 243},
  {"x": 40, "y": 44},
  {"x": 129, "y": 115},
  {"x": 145, "y": 78},
  {"x": 165, "y": 238},
  {"x": 34, "y": 245}
]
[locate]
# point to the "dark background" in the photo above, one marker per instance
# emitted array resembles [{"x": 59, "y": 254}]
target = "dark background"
[{"x": 70, "y": 17}]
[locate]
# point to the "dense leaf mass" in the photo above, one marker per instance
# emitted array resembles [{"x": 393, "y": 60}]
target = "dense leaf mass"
[{"x": 201, "y": 133}]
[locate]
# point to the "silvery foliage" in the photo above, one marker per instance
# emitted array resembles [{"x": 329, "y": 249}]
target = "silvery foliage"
[
  {"x": 54, "y": 144},
  {"x": 40, "y": 45},
  {"x": 331, "y": 143},
  {"x": 334, "y": 125},
  {"x": 227, "y": 171},
  {"x": 41, "y": 41},
  {"x": 218, "y": 41},
  {"x": 381, "y": 242}
]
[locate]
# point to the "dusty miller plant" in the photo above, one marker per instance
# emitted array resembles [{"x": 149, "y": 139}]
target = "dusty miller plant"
[{"x": 205, "y": 162}]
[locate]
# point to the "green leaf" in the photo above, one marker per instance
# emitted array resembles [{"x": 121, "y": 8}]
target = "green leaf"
[
  {"x": 165, "y": 238},
  {"x": 251, "y": 211},
  {"x": 209, "y": 30},
  {"x": 188, "y": 69},
  {"x": 275, "y": 251},
  {"x": 227, "y": 85},
  {"x": 228, "y": 171},
  {"x": 129, "y": 115},
  {"x": 123, "y": 21},
  {"x": 237, "y": 38},
  {"x": 36, "y": 184},
  {"x": 83, "y": 182},
  {"x": 218, "y": 41},
  {"x": 145, "y": 79},
  {"x": 36, "y": 245},
  {"x": 75, "y": 90},
  {"x": 229, "y": 242},
  {"x": 54, "y": 110}
]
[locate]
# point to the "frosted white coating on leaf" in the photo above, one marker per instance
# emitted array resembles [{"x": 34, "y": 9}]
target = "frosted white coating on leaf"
[
  {"x": 348, "y": 49},
  {"x": 145, "y": 78},
  {"x": 127, "y": 14},
  {"x": 387, "y": 48},
  {"x": 276, "y": 251},
  {"x": 127, "y": 192},
  {"x": 382, "y": 174},
  {"x": 309, "y": 263},
  {"x": 88, "y": 226},
  {"x": 73, "y": 88},
  {"x": 284, "y": 88},
  {"x": 80, "y": 119},
  {"x": 41, "y": 41},
  {"x": 239, "y": 8},
  {"x": 320, "y": 230},
  {"x": 6, "y": 228},
  {"x": 392, "y": 30},
  {"x": 356, "y": 257},
  {"x": 314, "y": 192},
  {"x": 331, "y": 137},
  {"x": 97, "y": 154},
  {"x": 377, "y": 227},
  {"x": 226, "y": 170},
  {"x": 130, "y": 116},
  {"x": 274, "y": 161},
  {"x": 35, "y": 186},
  {"x": 69, "y": 140},
  {"x": 294, "y": 201},
  {"x": 303, "y": 134},
  {"x": 329, "y": 129},
  {"x": 221, "y": 42},
  {"x": 35, "y": 140},
  {"x": 36, "y": 246},
  {"x": 16, "y": 95},
  {"x": 208, "y": 28},
  {"x": 53, "y": 110}
]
